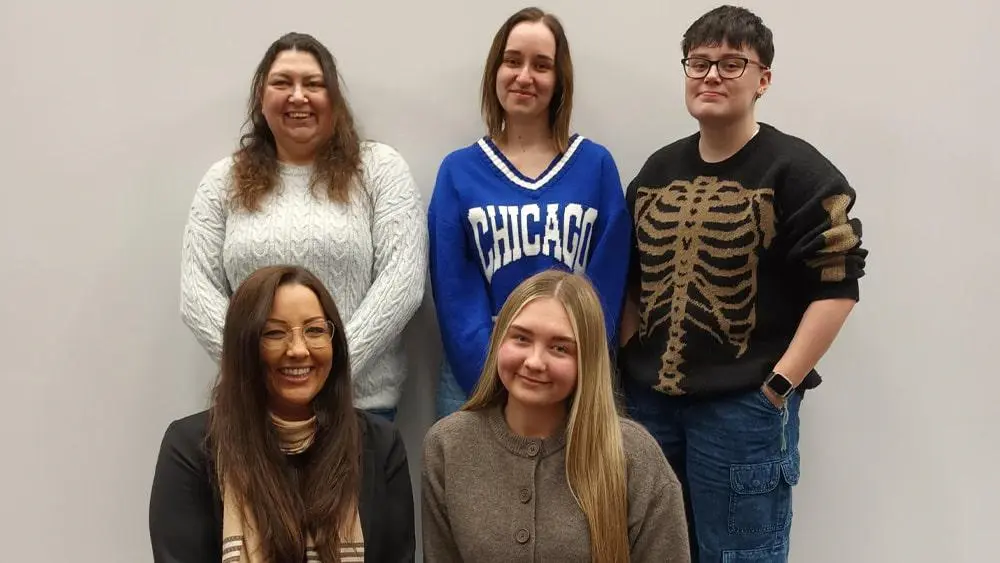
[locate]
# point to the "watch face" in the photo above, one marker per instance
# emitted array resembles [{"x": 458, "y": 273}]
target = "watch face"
[{"x": 779, "y": 384}]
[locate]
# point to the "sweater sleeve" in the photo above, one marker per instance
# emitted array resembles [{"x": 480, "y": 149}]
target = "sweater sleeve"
[
  {"x": 399, "y": 237},
  {"x": 657, "y": 525},
  {"x": 437, "y": 542},
  {"x": 205, "y": 290},
  {"x": 182, "y": 523},
  {"x": 814, "y": 203},
  {"x": 609, "y": 260},
  {"x": 632, "y": 284},
  {"x": 461, "y": 297}
]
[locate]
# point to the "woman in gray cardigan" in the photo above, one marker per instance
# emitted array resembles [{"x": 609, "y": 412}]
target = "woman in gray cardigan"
[{"x": 538, "y": 465}]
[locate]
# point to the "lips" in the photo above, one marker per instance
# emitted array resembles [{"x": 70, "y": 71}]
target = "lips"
[
  {"x": 296, "y": 373},
  {"x": 533, "y": 381}
]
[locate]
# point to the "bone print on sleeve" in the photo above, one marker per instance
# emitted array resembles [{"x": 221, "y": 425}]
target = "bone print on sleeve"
[{"x": 825, "y": 241}]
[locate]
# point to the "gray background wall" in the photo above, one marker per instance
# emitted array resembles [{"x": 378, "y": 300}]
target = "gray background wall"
[{"x": 112, "y": 111}]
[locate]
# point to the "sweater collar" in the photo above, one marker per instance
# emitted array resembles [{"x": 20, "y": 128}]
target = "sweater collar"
[{"x": 521, "y": 445}]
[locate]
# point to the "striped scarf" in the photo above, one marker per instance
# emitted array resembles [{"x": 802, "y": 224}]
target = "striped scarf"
[{"x": 239, "y": 543}]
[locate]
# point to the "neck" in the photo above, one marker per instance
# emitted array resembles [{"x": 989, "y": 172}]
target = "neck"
[
  {"x": 296, "y": 155},
  {"x": 527, "y": 134},
  {"x": 294, "y": 436},
  {"x": 291, "y": 413},
  {"x": 720, "y": 141},
  {"x": 531, "y": 421}
]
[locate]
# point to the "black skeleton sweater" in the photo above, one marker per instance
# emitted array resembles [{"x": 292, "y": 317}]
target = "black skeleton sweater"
[{"x": 727, "y": 256}]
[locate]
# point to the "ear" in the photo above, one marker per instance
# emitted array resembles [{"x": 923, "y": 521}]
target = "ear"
[{"x": 765, "y": 82}]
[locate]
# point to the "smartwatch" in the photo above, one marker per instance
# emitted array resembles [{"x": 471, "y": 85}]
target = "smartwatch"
[{"x": 779, "y": 384}]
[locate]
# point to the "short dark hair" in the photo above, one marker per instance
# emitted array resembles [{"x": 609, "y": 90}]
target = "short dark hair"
[{"x": 733, "y": 25}]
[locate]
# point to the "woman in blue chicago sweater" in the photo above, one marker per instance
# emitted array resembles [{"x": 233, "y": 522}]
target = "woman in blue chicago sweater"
[{"x": 528, "y": 196}]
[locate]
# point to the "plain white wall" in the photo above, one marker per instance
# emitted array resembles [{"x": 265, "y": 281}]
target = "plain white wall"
[{"x": 112, "y": 110}]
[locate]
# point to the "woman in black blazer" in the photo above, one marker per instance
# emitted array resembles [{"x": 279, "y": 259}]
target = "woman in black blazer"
[{"x": 282, "y": 467}]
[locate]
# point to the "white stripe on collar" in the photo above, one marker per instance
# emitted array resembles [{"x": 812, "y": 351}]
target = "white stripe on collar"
[{"x": 517, "y": 179}]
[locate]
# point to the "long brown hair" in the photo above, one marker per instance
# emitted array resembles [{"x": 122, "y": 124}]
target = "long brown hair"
[
  {"x": 255, "y": 163},
  {"x": 595, "y": 458},
  {"x": 284, "y": 501},
  {"x": 561, "y": 106}
]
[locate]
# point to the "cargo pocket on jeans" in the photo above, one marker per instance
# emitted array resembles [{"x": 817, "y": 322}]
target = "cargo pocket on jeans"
[
  {"x": 773, "y": 554},
  {"x": 760, "y": 499}
]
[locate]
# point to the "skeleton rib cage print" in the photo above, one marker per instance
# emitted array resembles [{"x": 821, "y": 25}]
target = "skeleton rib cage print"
[{"x": 699, "y": 243}]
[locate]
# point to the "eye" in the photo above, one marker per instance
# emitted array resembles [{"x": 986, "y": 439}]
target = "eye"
[
  {"x": 519, "y": 338},
  {"x": 699, "y": 65},
  {"x": 274, "y": 334}
]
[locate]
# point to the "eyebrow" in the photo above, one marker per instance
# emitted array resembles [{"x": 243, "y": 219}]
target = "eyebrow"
[
  {"x": 559, "y": 338},
  {"x": 725, "y": 55},
  {"x": 519, "y": 53},
  {"x": 307, "y": 321},
  {"x": 288, "y": 74}
]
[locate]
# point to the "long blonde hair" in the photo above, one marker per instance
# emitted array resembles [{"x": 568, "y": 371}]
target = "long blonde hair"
[{"x": 595, "y": 459}]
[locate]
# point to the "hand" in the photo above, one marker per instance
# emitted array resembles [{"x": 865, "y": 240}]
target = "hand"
[{"x": 777, "y": 401}]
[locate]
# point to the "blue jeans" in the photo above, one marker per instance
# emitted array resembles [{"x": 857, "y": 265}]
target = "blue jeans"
[
  {"x": 389, "y": 414},
  {"x": 450, "y": 396},
  {"x": 737, "y": 458}
]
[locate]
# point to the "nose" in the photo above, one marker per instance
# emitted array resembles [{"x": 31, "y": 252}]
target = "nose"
[
  {"x": 296, "y": 346},
  {"x": 713, "y": 73},
  {"x": 297, "y": 95},
  {"x": 524, "y": 75},
  {"x": 534, "y": 361}
]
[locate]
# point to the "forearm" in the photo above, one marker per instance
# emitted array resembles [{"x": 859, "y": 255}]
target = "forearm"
[
  {"x": 203, "y": 306},
  {"x": 383, "y": 315},
  {"x": 630, "y": 320},
  {"x": 817, "y": 330}
]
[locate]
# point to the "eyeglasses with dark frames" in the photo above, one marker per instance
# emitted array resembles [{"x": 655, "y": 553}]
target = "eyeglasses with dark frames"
[{"x": 729, "y": 67}]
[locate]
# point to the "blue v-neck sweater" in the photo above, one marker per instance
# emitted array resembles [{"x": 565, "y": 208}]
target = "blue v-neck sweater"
[{"x": 491, "y": 227}]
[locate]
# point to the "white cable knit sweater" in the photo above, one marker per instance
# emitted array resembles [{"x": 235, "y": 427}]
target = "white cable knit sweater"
[{"x": 371, "y": 254}]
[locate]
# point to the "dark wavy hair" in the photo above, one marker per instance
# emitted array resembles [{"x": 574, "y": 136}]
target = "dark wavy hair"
[
  {"x": 286, "y": 500},
  {"x": 561, "y": 105},
  {"x": 338, "y": 161}
]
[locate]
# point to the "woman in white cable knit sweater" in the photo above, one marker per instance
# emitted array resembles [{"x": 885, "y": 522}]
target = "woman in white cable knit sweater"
[{"x": 304, "y": 190}]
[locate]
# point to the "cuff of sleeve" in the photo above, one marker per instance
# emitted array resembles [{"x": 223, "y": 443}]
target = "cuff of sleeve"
[{"x": 848, "y": 289}]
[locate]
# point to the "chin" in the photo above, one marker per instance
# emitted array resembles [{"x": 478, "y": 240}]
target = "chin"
[
  {"x": 536, "y": 399},
  {"x": 522, "y": 110},
  {"x": 702, "y": 113}
]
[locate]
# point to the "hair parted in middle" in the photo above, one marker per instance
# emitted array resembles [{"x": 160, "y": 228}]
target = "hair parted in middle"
[
  {"x": 595, "y": 458},
  {"x": 561, "y": 106},
  {"x": 244, "y": 445},
  {"x": 255, "y": 163}
]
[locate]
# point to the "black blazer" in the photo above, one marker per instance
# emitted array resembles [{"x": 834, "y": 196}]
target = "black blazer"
[{"x": 185, "y": 509}]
